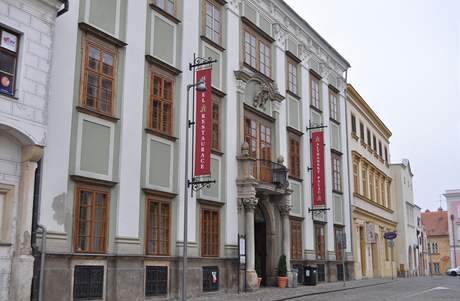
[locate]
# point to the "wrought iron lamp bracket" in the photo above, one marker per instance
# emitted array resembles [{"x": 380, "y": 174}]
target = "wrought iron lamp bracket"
[
  {"x": 197, "y": 185},
  {"x": 200, "y": 61}
]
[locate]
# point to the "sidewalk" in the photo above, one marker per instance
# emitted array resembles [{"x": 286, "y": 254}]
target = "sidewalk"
[{"x": 277, "y": 294}]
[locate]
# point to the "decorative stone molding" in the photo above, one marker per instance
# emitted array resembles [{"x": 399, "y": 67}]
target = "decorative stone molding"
[
  {"x": 276, "y": 106},
  {"x": 250, "y": 203},
  {"x": 285, "y": 205},
  {"x": 280, "y": 34},
  {"x": 32, "y": 153},
  {"x": 234, "y": 6},
  {"x": 240, "y": 86},
  {"x": 262, "y": 97}
]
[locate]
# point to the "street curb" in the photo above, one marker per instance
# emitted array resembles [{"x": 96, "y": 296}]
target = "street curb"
[{"x": 333, "y": 290}]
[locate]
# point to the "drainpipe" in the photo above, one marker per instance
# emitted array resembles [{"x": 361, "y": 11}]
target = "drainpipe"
[
  {"x": 453, "y": 240},
  {"x": 64, "y": 9},
  {"x": 42, "y": 262},
  {"x": 348, "y": 171}
]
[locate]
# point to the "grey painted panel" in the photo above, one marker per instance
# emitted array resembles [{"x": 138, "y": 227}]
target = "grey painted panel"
[
  {"x": 95, "y": 148},
  {"x": 213, "y": 191},
  {"x": 316, "y": 118},
  {"x": 103, "y": 14},
  {"x": 296, "y": 198},
  {"x": 293, "y": 107},
  {"x": 265, "y": 25},
  {"x": 338, "y": 209},
  {"x": 160, "y": 160},
  {"x": 250, "y": 13},
  {"x": 335, "y": 136},
  {"x": 292, "y": 46},
  {"x": 215, "y": 67},
  {"x": 163, "y": 43}
]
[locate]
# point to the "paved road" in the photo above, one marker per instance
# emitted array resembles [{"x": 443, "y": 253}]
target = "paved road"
[{"x": 414, "y": 289}]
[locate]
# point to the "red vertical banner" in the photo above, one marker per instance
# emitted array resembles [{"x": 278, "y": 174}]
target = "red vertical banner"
[
  {"x": 203, "y": 125},
  {"x": 317, "y": 161}
]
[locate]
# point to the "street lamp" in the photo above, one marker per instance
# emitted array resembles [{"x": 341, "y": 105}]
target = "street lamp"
[{"x": 201, "y": 87}]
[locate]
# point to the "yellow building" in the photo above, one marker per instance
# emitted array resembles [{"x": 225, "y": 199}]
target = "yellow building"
[
  {"x": 436, "y": 226},
  {"x": 372, "y": 204}
]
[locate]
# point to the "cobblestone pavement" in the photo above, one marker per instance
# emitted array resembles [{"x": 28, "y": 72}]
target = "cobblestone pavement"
[{"x": 273, "y": 293}]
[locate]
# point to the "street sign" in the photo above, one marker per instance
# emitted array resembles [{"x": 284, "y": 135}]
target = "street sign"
[{"x": 390, "y": 235}]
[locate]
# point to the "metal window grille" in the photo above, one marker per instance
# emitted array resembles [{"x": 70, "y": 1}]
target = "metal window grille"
[
  {"x": 88, "y": 282},
  {"x": 210, "y": 279},
  {"x": 156, "y": 281}
]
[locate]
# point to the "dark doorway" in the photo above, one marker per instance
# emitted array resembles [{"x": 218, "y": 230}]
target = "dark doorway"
[{"x": 260, "y": 233}]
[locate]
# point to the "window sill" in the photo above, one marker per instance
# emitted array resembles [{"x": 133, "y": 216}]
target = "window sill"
[
  {"x": 354, "y": 136},
  {"x": 334, "y": 120},
  {"x": 164, "y": 13},
  {"x": 101, "y": 35},
  {"x": 91, "y": 181},
  {"x": 162, "y": 135},
  {"x": 217, "y": 152},
  {"x": 5, "y": 244},
  {"x": 293, "y": 94},
  {"x": 316, "y": 109},
  {"x": 9, "y": 96},
  {"x": 171, "y": 69},
  {"x": 212, "y": 43},
  {"x": 294, "y": 178},
  {"x": 97, "y": 114},
  {"x": 294, "y": 131},
  {"x": 258, "y": 72}
]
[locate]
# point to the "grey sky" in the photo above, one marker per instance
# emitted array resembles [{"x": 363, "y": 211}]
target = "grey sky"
[{"x": 405, "y": 59}]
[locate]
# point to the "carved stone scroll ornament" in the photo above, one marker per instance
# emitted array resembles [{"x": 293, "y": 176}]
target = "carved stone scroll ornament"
[
  {"x": 262, "y": 97},
  {"x": 285, "y": 207}
]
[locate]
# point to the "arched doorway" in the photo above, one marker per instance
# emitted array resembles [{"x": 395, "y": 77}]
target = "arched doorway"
[{"x": 260, "y": 233}]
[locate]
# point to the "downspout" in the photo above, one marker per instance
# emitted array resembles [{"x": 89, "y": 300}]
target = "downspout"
[
  {"x": 64, "y": 9},
  {"x": 42, "y": 262},
  {"x": 348, "y": 164}
]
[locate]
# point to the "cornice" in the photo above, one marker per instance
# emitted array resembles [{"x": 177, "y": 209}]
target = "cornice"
[{"x": 362, "y": 104}]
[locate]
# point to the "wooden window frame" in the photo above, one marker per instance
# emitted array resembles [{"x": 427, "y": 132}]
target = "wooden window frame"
[
  {"x": 296, "y": 239},
  {"x": 356, "y": 179},
  {"x": 362, "y": 135},
  {"x": 103, "y": 47},
  {"x": 294, "y": 155},
  {"x": 364, "y": 179},
  {"x": 217, "y": 6},
  {"x": 259, "y": 40},
  {"x": 353, "y": 124},
  {"x": 315, "y": 101},
  {"x": 94, "y": 190},
  {"x": 209, "y": 250},
  {"x": 371, "y": 185},
  {"x": 386, "y": 154},
  {"x": 369, "y": 137},
  {"x": 334, "y": 106},
  {"x": 216, "y": 138},
  {"x": 15, "y": 55},
  {"x": 163, "y": 9},
  {"x": 155, "y": 72},
  {"x": 292, "y": 76},
  {"x": 338, "y": 246},
  {"x": 336, "y": 164},
  {"x": 320, "y": 246},
  {"x": 374, "y": 143},
  {"x": 160, "y": 201},
  {"x": 380, "y": 149},
  {"x": 388, "y": 190},
  {"x": 377, "y": 189}
]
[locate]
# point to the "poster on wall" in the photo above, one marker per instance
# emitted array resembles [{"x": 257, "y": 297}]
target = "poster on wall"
[
  {"x": 203, "y": 125},
  {"x": 317, "y": 157},
  {"x": 9, "y": 41}
]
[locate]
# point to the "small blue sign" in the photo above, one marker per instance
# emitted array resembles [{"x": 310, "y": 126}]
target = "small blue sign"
[{"x": 390, "y": 235}]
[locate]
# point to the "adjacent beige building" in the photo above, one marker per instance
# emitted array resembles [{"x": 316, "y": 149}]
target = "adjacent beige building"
[{"x": 372, "y": 204}]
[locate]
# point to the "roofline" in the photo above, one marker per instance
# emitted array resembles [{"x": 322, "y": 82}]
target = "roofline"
[
  {"x": 356, "y": 96},
  {"x": 305, "y": 23}
]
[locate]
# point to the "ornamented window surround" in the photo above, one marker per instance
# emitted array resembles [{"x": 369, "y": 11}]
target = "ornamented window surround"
[{"x": 260, "y": 37}]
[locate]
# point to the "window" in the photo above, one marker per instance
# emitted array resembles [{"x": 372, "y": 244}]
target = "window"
[
  {"x": 380, "y": 149},
  {"x": 258, "y": 135},
  {"x": 336, "y": 172},
  {"x": 257, "y": 52},
  {"x": 99, "y": 76},
  {"x": 216, "y": 120},
  {"x": 161, "y": 103},
  {"x": 210, "y": 279},
  {"x": 88, "y": 282},
  {"x": 377, "y": 188},
  {"x": 334, "y": 105},
  {"x": 339, "y": 237},
  {"x": 388, "y": 195},
  {"x": 356, "y": 176},
  {"x": 364, "y": 179},
  {"x": 369, "y": 142},
  {"x": 353, "y": 124},
  {"x": 361, "y": 132},
  {"x": 209, "y": 232},
  {"x": 91, "y": 219},
  {"x": 371, "y": 185},
  {"x": 294, "y": 155},
  {"x": 296, "y": 239},
  {"x": 292, "y": 76},
  {"x": 212, "y": 22},
  {"x": 156, "y": 281},
  {"x": 382, "y": 192},
  {"x": 437, "y": 268},
  {"x": 158, "y": 223},
  {"x": 320, "y": 242},
  {"x": 315, "y": 92},
  {"x": 374, "y": 139},
  {"x": 8, "y": 61},
  {"x": 386, "y": 155},
  {"x": 166, "y": 5}
]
